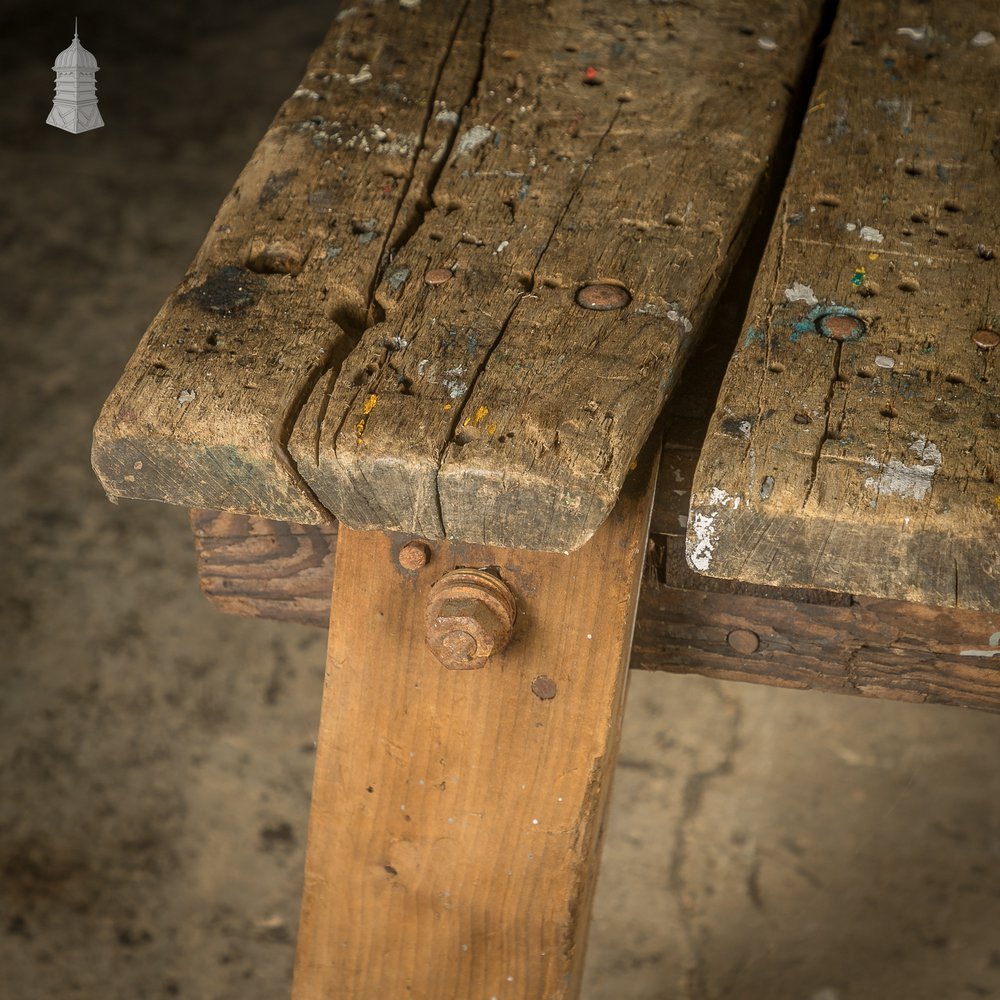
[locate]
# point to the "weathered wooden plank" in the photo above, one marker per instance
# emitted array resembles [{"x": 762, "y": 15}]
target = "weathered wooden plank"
[
  {"x": 856, "y": 441},
  {"x": 603, "y": 144},
  {"x": 807, "y": 639},
  {"x": 456, "y": 814},
  {"x": 283, "y": 283}
]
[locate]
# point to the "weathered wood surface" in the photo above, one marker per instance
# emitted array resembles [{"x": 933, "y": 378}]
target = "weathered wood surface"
[
  {"x": 598, "y": 143},
  {"x": 525, "y": 149},
  {"x": 283, "y": 284},
  {"x": 870, "y": 465},
  {"x": 808, "y": 639},
  {"x": 456, "y": 816}
]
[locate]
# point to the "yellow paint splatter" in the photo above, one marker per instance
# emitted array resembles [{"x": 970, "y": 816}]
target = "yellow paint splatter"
[
  {"x": 996, "y": 502},
  {"x": 360, "y": 429},
  {"x": 873, "y": 256},
  {"x": 369, "y": 404},
  {"x": 633, "y": 467},
  {"x": 478, "y": 418},
  {"x": 447, "y": 406},
  {"x": 491, "y": 428}
]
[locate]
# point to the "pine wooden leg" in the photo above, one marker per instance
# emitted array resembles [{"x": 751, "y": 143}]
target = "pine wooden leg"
[{"x": 456, "y": 816}]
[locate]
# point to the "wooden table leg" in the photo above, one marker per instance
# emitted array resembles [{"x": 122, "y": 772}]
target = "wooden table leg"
[{"x": 456, "y": 815}]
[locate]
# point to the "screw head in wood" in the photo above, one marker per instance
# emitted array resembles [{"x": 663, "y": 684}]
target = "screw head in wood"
[
  {"x": 414, "y": 555},
  {"x": 840, "y": 326},
  {"x": 470, "y": 617},
  {"x": 438, "y": 276},
  {"x": 743, "y": 641},
  {"x": 603, "y": 296},
  {"x": 985, "y": 339}
]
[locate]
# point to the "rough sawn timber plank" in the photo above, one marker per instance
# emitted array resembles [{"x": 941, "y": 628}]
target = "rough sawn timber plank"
[
  {"x": 283, "y": 283},
  {"x": 603, "y": 142},
  {"x": 870, "y": 465},
  {"x": 456, "y": 819}
]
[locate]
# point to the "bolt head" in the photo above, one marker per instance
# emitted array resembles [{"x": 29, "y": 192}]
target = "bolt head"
[
  {"x": 985, "y": 339},
  {"x": 470, "y": 617},
  {"x": 603, "y": 296},
  {"x": 414, "y": 555},
  {"x": 841, "y": 326},
  {"x": 743, "y": 641},
  {"x": 438, "y": 276}
]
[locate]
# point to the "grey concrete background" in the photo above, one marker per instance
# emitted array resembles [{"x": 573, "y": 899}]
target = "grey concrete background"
[{"x": 156, "y": 758}]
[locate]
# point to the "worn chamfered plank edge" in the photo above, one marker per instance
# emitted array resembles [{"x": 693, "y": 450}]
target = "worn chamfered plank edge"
[
  {"x": 810, "y": 640},
  {"x": 454, "y": 836},
  {"x": 492, "y": 407},
  {"x": 284, "y": 280},
  {"x": 871, "y": 465}
]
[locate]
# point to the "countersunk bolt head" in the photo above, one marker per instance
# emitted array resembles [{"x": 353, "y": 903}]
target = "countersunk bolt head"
[
  {"x": 414, "y": 555},
  {"x": 603, "y": 296},
  {"x": 841, "y": 326},
  {"x": 470, "y": 616},
  {"x": 438, "y": 276},
  {"x": 743, "y": 641},
  {"x": 985, "y": 339}
]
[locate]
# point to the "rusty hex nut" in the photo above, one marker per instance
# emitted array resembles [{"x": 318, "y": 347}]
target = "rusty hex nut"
[{"x": 470, "y": 616}]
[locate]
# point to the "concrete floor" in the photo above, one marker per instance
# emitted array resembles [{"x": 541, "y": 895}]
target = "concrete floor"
[{"x": 156, "y": 758}]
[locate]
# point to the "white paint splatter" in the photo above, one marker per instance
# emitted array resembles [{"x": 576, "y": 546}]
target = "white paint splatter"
[
  {"x": 801, "y": 293},
  {"x": 917, "y": 34},
  {"x": 884, "y": 362},
  {"x": 676, "y": 316},
  {"x": 472, "y": 139},
  {"x": 850, "y": 227},
  {"x": 871, "y": 234},
  {"x": 767, "y": 44},
  {"x": 704, "y": 530},
  {"x": 363, "y": 75},
  {"x": 982, "y": 38},
  {"x": 896, "y": 478},
  {"x": 186, "y": 396},
  {"x": 305, "y": 92},
  {"x": 502, "y": 246},
  {"x": 446, "y": 117},
  {"x": 994, "y": 650}
]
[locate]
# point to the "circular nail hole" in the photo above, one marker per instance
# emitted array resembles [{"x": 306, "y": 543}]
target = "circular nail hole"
[
  {"x": 913, "y": 170},
  {"x": 802, "y": 418},
  {"x": 776, "y": 367},
  {"x": 954, "y": 378},
  {"x": 889, "y": 411},
  {"x": 830, "y": 200},
  {"x": 865, "y": 372},
  {"x": 918, "y": 217},
  {"x": 909, "y": 285},
  {"x": 951, "y": 206}
]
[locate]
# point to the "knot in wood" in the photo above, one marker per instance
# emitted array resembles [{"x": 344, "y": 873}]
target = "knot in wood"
[{"x": 470, "y": 616}]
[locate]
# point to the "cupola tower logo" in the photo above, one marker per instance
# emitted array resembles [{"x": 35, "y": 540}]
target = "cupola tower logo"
[{"x": 75, "y": 106}]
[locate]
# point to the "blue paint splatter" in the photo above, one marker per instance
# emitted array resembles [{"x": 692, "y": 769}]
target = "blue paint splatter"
[{"x": 753, "y": 335}]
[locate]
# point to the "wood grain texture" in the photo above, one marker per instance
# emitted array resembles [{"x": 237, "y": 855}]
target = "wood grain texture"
[
  {"x": 283, "y": 283},
  {"x": 596, "y": 144},
  {"x": 870, "y": 465},
  {"x": 809, "y": 639},
  {"x": 454, "y": 832}
]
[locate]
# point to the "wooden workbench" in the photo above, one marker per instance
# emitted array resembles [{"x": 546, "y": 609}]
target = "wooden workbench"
[{"x": 430, "y": 356}]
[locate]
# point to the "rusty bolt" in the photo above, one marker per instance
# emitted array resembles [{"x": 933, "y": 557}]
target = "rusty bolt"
[
  {"x": 743, "y": 641},
  {"x": 414, "y": 555},
  {"x": 603, "y": 296},
  {"x": 438, "y": 276},
  {"x": 470, "y": 616}
]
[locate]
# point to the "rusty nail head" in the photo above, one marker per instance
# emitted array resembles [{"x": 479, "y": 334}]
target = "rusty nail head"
[
  {"x": 544, "y": 688},
  {"x": 603, "y": 296},
  {"x": 438, "y": 276},
  {"x": 470, "y": 616},
  {"x": 841, "y": 327},
  {"x": 743, "y": 641},
  {"x": 985, "y": 339},
  {"x": 414, "y": 555}
]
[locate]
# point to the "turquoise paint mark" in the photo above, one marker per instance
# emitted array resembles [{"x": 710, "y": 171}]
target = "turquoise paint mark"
[{"x": 753, "y": 336}]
